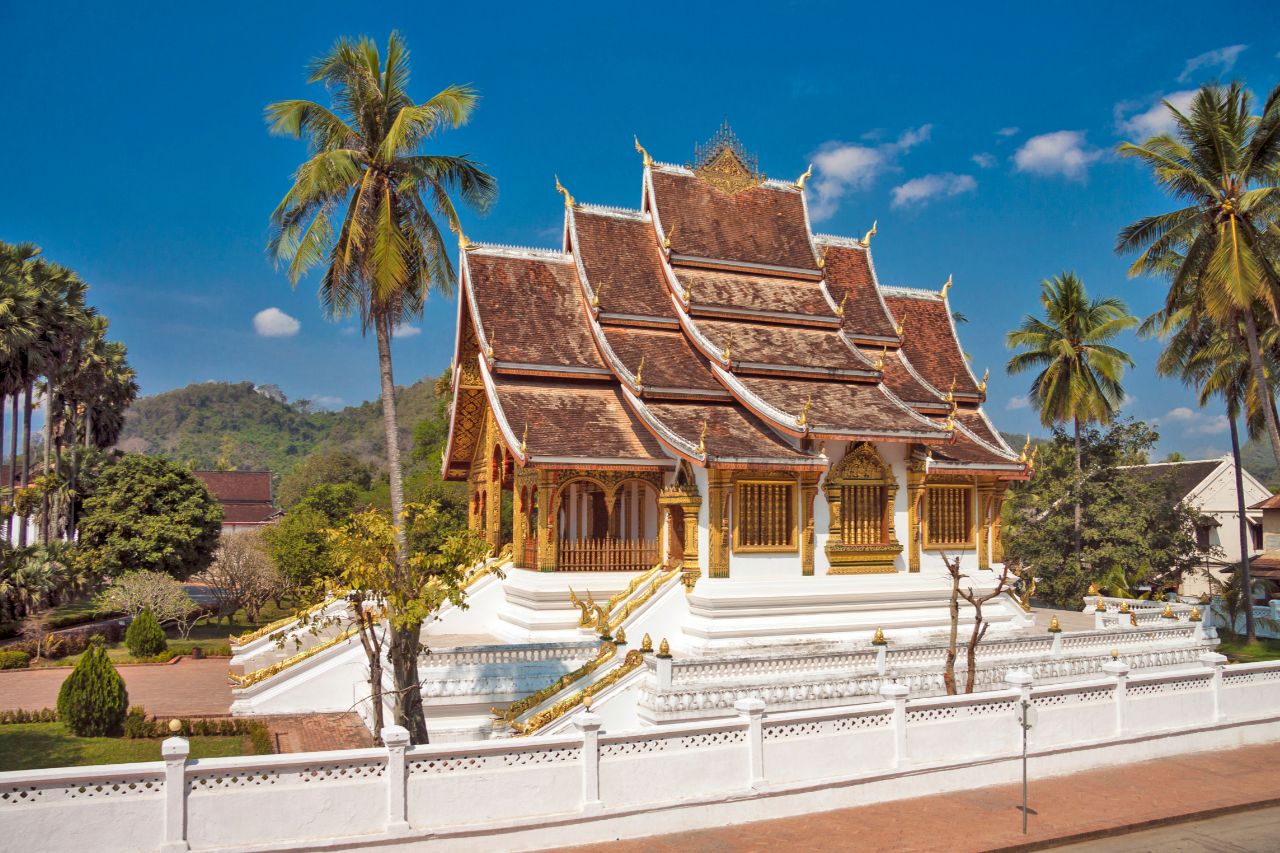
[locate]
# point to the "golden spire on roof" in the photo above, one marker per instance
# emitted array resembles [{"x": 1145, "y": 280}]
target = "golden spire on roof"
[
  {"x": 803, "y": 420},
  {"x": 727, "y": 352},
  {"x": 702, "y": 439},
  {"x": 866, "y": 239},
  {"x": 488, "y": 347},
  {"x": 1023, "y": 457},
  {"x": 524, "y": 449},
  {"x": 568, "y": 199},
  {"x": 950, "y": 425},
  {"x": 808, "y": 173},
  {"x": 945, "y": 287},
  {"x": 724, "y": 164},
  {"x": 648, "y": 161},
  {"x": 822, "y": 259},
  {"x": 982, "y": 386},
  {"x": 902, "y": 325},
  {"x": 666, "y": 238},
  {"x": 640, "y": 370},
  {"x": 884, "y": 351},
  {"x": 951, "y": 392},
  {"x": 595, "y": 296},
  {"x": 843, "y": 300}
]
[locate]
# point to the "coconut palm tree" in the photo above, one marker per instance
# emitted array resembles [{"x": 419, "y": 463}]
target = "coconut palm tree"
[
  {"x": 365, "y": 207},
  {"x": 1079, "y": 378},
  {"x": 19, "y": 329},
  {"x": 1222, "y": 162}
]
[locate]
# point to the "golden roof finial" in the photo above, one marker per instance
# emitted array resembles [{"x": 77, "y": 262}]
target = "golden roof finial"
[
  {"x": 950, "y": 425},
  {"x": 595, "y": 296},
  {"x": 945, "y": 287},
  {"x": 463, "y": 242},
  {"x": 902, "y": 326},
  {"x": 488, "y": 346},
  {"x": 1023, "y": 457},
  {"x": 666, "y": 237},
  {"x": 840, "y": 307},
  {"x": 702, "y": 439},
  {"x": 727, "y": 352},
  {"x": 982, "y": 386},
  {"x": 648, "y": 161},
  {"x": 866, "y": 239},
  {"x": 951, "y": 392},
  {"x": 803, "y": 420},
  {"x": 687, "y": 293},
  {"x": 524, "y": 451},
  {"x": 808, "y": 173},
  {"x": 568, "y": 199},
  {"x": 639, "y": 371},
  {"x": 884, "y": 353}
]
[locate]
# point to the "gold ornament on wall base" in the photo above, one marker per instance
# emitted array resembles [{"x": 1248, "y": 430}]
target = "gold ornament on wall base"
[{"x": 879, "y": 638}]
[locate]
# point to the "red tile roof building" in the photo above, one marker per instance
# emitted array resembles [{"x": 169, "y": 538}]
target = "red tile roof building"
[
  {"x": 706, "y": 369},
  {"x": 246, "y": 497}
]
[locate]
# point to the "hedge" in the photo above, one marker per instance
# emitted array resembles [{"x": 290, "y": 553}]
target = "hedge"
[{"x": 14, "y": 660}]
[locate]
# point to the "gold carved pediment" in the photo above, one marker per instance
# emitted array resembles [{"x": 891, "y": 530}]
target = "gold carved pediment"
[{"x": 861, "y": 462}]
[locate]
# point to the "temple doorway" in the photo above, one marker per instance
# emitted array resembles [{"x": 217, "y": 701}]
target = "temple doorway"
[{"x": 607, "y": 529}]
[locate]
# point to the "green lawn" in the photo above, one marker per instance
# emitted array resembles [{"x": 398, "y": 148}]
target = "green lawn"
[
  {"x": 1242, "y": 652},
  {"x": 28, "y": 746}
]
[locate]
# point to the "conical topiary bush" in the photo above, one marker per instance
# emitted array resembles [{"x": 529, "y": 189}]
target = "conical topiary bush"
[
  {"x": 93, "y": 700},
  {"x": 145, "y": 638}
]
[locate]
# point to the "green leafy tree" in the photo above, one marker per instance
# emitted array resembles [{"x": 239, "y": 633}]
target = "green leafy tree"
[
  {"x": 364, "y": 206},
  {"x": 329, "y": 467},
  {"x": 1134, "y": 532},
  {"x": 93, "y": 700},
  {"x": 1079, "y": 370},
  {"x": 1219, "y": 250},
  {"x": 149, "y": 513},
  {"x": 144, "y": 636},
  {"x": 298, "y": 544}
]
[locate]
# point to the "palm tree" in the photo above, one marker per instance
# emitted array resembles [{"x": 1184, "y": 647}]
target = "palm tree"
[
  {"x": 19, "y": 328},
  {"x": 1222, "y": 162},
  {"x": 364, "y": 206},
  {"x": 1079, "y": 378}
]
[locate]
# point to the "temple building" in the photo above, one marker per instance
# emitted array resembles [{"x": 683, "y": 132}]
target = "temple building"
[{"x": 705, "y": 382}]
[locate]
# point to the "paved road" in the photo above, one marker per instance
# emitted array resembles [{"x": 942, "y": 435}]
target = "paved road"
[
  {"x": 1244, "y": 832},
  {"x": 186, "y": 687}
]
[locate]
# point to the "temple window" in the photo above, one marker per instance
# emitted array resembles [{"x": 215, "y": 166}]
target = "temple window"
[
  {"x": 949, "y": 516},
  {"x": 764, "y": 516},
  {"x": 861, "y": 491}
]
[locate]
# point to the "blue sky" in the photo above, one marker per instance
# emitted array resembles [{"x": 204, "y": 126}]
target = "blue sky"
[{"x": 980, "y": 138}]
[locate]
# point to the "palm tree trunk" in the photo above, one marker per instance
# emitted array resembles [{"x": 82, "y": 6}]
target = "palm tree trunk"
[
  {"x": 405, "y": 639},
  {"x": 13, "y": 461},
  {"x": 1246, "y": 581},
  {"x": 1260, "y": 377},
  {"x": 46, "y": 505},
  {"x": 4, "y": 523},
  {"x": 1079, "y": 514},
  {"x": 26, "y": 458}
]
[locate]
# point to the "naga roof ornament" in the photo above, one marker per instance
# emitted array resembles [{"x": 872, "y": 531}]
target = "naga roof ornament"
[
  {"x": 724, "y": 164},
  {"x": 866, "y": 238},
  {"x": 945, "y": 287},
  {"x": 568, "y": 199},
  {"x": 808, "y": 173},
  {"x": 647, "y": 160}
]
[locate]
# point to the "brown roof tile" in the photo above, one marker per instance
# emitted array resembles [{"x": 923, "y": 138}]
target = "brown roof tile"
[
  {"x": 531, "y": 310},
  {"x": 977, "y": 424},
  {"x": 837, "y": 407},
  {"x": 574, "y": 419},
  {"x": 249, "y": 513},
  {"x": 732, "y": 432},
  {"x": 719, "y": 289},
  {"x": 969, "y": 452},
  {"x": 900, "y": 381},
  {"x": 763, "y": 225},
  {"x": 930, "y": 345},
  {"x": 849, "y": 279},
  {"x": 669, "y": 360},
  {"x": 237, "y": 486},
  {"x": 620, "y": 256},
  {"x": 782, "y": 345}
]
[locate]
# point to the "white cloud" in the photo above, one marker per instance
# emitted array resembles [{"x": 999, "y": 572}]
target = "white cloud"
[
  {"x": 274, "y": 323},
  {"x": 1155, "y": 119},
  {"x": 1063, "y": 152},
  {"x": 1222, "y": 59},
  {"x": 1194, "y": 422},
  {"x": 405, "y": 330},
  {"x": 1007, "y": 131},
  {"x": 984, "y": 161},
  {"x": 845, "y": 167},
  {"x": 919, "y": 191},
  {"x": 1018, "y": 401}
]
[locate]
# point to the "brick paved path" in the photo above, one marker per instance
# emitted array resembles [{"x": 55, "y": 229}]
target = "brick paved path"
[
  {"x": 318, "y": 732},
  {"x": 1097, "y": 801},
  {"x": 186, "y": 687}
]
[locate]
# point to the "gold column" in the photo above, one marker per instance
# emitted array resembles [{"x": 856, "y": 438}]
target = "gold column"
[
  {"x": 915, "y": 508},
  {"x": 997, "y": 526},
  {"x": 493, "y": 512},
  {"x": 473, "y": 492},
  {"x": 808, "y": 491},
  {"x": 718, "y": 487},
  {"x": 548, "y": 507},
  {"x": 692, "y": 571},
  {"x": 986, "y": 493}
]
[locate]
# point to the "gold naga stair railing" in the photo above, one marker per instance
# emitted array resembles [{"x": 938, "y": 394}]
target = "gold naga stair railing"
[
  {"x": 540, "y": 720},
  {"x": 485, "y": 567}
]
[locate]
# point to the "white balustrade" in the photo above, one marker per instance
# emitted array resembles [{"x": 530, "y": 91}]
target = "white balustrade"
[{"x": 595, "y": 784}]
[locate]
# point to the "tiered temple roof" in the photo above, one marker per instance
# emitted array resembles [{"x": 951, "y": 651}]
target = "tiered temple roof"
[{"x": 709, "y": 325}]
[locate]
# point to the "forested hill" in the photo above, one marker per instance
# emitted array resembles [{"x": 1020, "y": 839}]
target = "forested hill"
[{"x": 234, "y": 425}]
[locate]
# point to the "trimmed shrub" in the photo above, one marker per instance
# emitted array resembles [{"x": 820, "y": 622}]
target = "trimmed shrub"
[
  {"x": 14, "y": 660},
  {"x": 145, "y": 638},
  {"x": 93, "y": 700},
  {"x": 136, "y": 724},
  {"x": 44, "y": 715}
]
